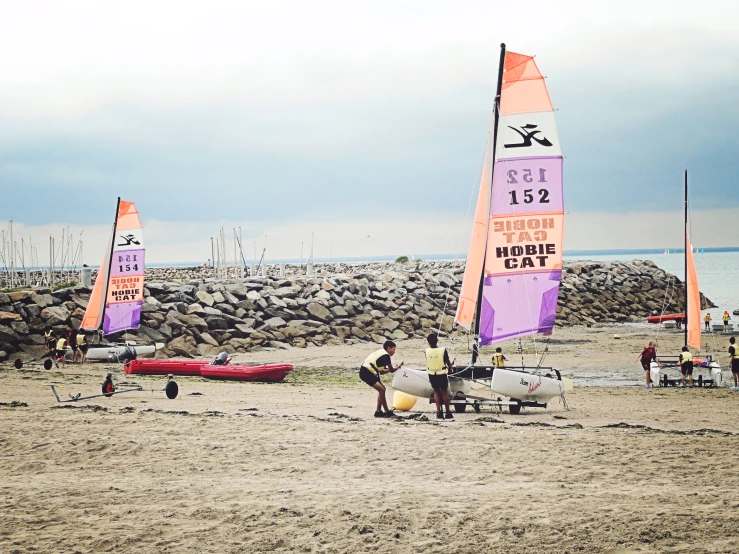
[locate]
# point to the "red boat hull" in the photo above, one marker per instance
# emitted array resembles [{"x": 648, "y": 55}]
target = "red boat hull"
[
  {"x": 666, "y": 317},
  {"x": 269, "y": 372},
  {"x": 165, "y": 367}
]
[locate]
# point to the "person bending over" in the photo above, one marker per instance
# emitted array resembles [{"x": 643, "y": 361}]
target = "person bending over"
[
  {"x": 437, "y": 361},
  {"x": 647, "y": 356},
  {"x": 376, "y": 364}
]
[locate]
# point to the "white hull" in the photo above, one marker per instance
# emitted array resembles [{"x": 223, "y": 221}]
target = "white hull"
[
  {"x": 99, "y": 353},
  {"x": 714, "y": 370},
  {"x": 416, "y": 382},
  {"x": 524, "y": 386}
]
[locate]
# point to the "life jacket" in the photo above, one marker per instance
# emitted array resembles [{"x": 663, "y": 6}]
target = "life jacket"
[
  {"x": 685, "y": 357},
  {"x": 60, "y": 343},
  {"x": 726, "y": 316},
  {"x": 707, "y": 318},
  {"x": 435, "y": 361},
  {"x": 371, "y": 361},
  {"x": 49, "y": 337},
  {"x": 498, "y": 359},
  {"x": 81, "y": 339}
]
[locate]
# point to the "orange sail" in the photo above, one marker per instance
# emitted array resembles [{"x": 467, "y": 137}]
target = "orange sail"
[
  {"x": 476, "y": 253},
  {"x": 693, "y": 298},
  {"x": 96, "y": 305}
]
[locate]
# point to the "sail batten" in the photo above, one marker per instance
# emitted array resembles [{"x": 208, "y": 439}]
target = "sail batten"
[{"x": 522, "y": 249}]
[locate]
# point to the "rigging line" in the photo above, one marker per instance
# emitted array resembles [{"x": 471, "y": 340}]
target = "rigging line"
[
  {"x": 666, "y": 300},
  {"x": 458, "y": 247}
]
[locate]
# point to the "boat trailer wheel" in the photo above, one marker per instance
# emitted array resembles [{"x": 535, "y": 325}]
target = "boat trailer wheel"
[
  {"x": 171, "y": 389},
  {"x": 460, "y": 408},
  {"x": 47, "y": 364},
  {"x": 515, "y": 407},
  {"x": 18, "y": 363}
]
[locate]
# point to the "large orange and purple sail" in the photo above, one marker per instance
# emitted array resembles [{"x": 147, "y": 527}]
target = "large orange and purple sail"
[
  {"x": 524, "y": 211},
  {"x": 118, "y": 294}
]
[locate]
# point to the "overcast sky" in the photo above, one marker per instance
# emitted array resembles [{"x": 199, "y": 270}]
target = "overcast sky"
[{"x": 358, "y": 118}]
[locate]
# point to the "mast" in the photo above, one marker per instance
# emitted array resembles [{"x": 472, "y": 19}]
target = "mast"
[
  {"x": 496, "y": 116},
  {"x": 685, "y": 260},
  {"x": 110, "y": 261}
]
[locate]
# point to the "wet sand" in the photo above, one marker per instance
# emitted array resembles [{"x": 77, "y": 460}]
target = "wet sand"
[{"x": 302, "y": 466}]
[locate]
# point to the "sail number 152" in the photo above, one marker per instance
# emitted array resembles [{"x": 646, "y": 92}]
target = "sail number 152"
[{"x": 527, "y": 177}]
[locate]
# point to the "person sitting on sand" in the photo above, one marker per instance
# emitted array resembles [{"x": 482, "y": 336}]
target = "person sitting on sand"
[
  {"x": 734, "y": 363},
  {"x": 374, "y": 365},
  {"x": 647, "y": 356},
  {"x": 60, "y": 351},
  {"x": 686, "y": 365},
  {"x": 438, "y": 364},
  {"x": 498, "y": 358},
  {"x": 707, "y": 322}
]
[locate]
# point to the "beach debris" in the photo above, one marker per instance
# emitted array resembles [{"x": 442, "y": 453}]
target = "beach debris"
[
  {"x": 647, "y": 429},
  {"x": 617, "y": 336},
  {"x": 14, "y": 404}
]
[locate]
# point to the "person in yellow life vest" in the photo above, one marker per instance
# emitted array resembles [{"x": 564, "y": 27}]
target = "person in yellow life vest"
[
  {"x": 50, "y": 341},
  {"x": 726, "y": 317},
  {"x": 498, "y": 358},
  {"x": 707, "y": 321},
  {"x": 82, "y": 345},
  {"x": 437, "y": 361},
  {"x": 374, "y": 365},
  {"x": 60, "y": 350},
  {"x": 686, "y": 365}
]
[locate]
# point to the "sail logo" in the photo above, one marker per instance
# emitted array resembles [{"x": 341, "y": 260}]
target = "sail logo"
[
  {"x": 528, "y": 134},
  {"x": 128, "y": 240},
  {"x": 534, "y": 386}
]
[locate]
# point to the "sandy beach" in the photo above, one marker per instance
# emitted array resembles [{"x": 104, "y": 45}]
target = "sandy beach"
[{"x": 302, "y": 466}]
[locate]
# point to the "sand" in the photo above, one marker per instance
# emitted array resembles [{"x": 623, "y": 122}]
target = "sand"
[{"x": 302, "y": 466}]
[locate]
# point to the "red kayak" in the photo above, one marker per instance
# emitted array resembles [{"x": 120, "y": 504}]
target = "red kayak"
[
  {"x": 268, "y": 372},
  {"x": 165, "y": 367},
  {"x": 666, "y": 317}
]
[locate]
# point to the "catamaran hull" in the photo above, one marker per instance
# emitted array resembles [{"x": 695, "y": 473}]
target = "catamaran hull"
[
  {"x": 102, "y": 353},
  {"x": 524, "y": 386},
  {"x": 416, "y": 382},
  {"x": 658, "y": 378}
]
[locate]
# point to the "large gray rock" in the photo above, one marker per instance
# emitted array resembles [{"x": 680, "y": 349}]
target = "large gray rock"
[
  {"x": 7, "y": 317},
  {"x": 319, "y": 312},
  {"x": 55, "y": 315},
  {"x": 8, "y": 335},
  {"x": 206, "y": 338},
  {"x": 205, "y": 298}
]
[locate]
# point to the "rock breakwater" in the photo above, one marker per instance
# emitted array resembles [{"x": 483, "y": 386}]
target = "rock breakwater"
[{"x": 197, "y": 316}]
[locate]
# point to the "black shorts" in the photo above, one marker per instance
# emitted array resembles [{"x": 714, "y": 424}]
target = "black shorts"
[
  {"x": 60, "y": 354},
  {"x": 368, "y": 377},
  {"x": 735, "y": 366},
  {"x": 83, "y": 348},
  {"x": 646, "y": 367},
  {"x": 51, "y": 345},
  {"x": 687, "y": 368},
  {"x": 74, "y": 347},
  {"x": 439, "y": 382}
]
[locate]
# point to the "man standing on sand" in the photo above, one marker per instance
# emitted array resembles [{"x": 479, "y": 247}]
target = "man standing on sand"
[
  {"x": 707, "y": 321},
  {"x": 734, "y": 363},
  {"x": 374, "y": 365},
  {"x": 686, "y": 365},
  {"x": 726, "y": 318},
  {"x": 438, "y": 364}
]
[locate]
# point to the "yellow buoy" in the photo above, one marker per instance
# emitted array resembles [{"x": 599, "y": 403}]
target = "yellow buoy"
[{"x": 402, "y": 401}]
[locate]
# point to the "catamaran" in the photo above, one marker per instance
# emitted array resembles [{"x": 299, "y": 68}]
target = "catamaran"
[
  {"x": 514, "y": 262},
  {"x": 692, "y": 328},
  {"x": 118, "y": 294}
]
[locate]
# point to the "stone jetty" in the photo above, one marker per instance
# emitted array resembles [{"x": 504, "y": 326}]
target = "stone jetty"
[{"x": 194, "y": 314}]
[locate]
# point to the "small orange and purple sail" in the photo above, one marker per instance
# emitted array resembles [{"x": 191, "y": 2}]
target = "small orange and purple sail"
[
  {"x": 523, "y": 211},
  {"x": 118, "y": 294}
]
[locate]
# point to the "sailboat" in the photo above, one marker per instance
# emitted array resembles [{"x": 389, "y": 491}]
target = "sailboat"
[
  {"x": 692, "y": 331},
  {"x": 118, "y": 294},
  {"x": 514, "y": 263}
]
